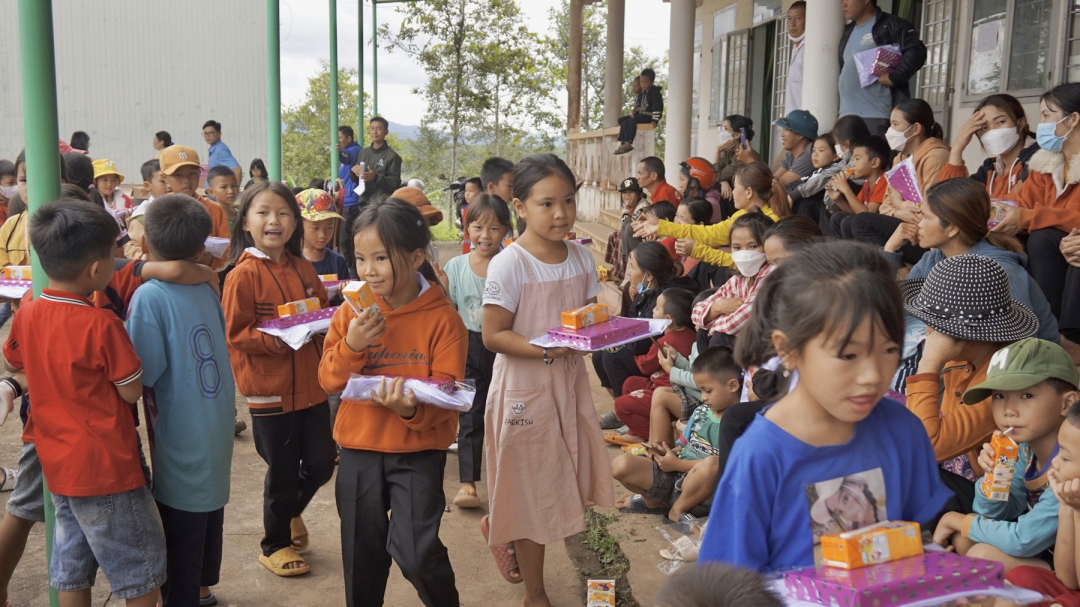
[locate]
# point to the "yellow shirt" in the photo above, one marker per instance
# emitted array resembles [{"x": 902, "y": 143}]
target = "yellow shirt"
[
  {"x": 15, "y": 241},
  {"x": 707, "y": 238}
]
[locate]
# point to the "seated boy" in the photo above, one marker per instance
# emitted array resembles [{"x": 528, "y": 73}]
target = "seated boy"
[
  {"x": 684, "y": 479},
  {"x": 179, "y": 333},
  {"x": 82, "y": 421},
  {"x": 1031, "y": 384},
  {"x": 154, "y": 182},
  {"x": 679, "y": 400},
  {"x": 869, "y": 161},
  {"x": 319, "y": 213},
  {"x": 224, "y": 189}
]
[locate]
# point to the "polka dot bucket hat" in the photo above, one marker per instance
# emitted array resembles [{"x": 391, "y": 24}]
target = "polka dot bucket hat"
[{"x": 967, "y": 297}]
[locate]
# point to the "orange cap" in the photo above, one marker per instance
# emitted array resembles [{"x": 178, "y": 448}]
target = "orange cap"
[{"x": 176, "y": 156}]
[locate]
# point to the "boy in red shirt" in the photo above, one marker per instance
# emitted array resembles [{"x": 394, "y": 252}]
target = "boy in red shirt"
[
  {"x": 83, "y": 424},
  {"x": 869, "y": 158}
]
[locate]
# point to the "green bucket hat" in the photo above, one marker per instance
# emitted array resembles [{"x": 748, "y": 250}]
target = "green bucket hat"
[{"x": 1023, "y": 364}]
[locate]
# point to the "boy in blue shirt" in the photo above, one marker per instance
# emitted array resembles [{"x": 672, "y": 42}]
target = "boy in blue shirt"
[
  {"x": 179, "y": 333},
  {"x": 1032, "y": 382}
]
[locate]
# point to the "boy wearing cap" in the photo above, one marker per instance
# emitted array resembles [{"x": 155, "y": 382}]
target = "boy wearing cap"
[
  {"x": 319, "y": 213},
  {"x": 800, "y": 129},
  {"x": 180, "y": 166},
  {"x": 1031, "y": 384}
]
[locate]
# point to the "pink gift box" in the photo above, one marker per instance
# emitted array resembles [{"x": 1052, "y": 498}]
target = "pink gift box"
[
  {"x": 897, "y": 583},
  {"x": 885, "y": 61},
  {"x": 599, "y": 336},
  {"x": 299, "y": 319},
  {"x": 874, "y": 62},
  {"x": 903, "y": 179}
]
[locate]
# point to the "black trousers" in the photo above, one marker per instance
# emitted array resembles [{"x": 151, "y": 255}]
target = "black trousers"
[
  {"x": 478, "y": 367},
  {"x": 839, "y": 226},
  {"x": 876, "y": 229},
  {"x": 706, "y": 341},
  {"x": 814, "y": 208},
  {"x": 299, "y": 452},
  {"x": 614, "y": 367},
  {"x": 1059, "y": 280},
  {"x": 962, "y": 488},
  {"x": 193, "y": 548},
  {"x": 410, "y": 487},
  {"x": 345, "y": 242},
  {"x": 628, "y": 127}
]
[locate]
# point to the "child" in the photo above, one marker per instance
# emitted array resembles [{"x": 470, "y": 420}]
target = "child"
[
  {"x": 869, "y": 160},
  {"x": 684, "y": 478},
  {"x": 153, "y": 182},
  {"x": 180, "y": 168},
  {"x": 319, "y": 213},
  {"x": 661, "y": 211},
  {"x": 290, "y": 418},
  {"x": 680, "y": 400},
  {"x": 179, "y": 333},
  {"x": 89, "y": 383},
  {"x": 545, "y": 455},
  {"x": 634, "y": 405},
  {"x": 716, "y": 585},
  {"x": 497, "y": 177},
  {"x": 834, "y": 315},
  {"x": 487, "y": 224},
  {"x": 8, "y": 189},
  {"x": 1062, "y": 583},
  {"x": 808, "y": 193},
  {"x": 393, "y": 450},
  {"x": 723, "y": 315},
  {"x": 224, "y": 189},
  {"x": 473, "y": 188},
  {"x": 107, "y": 191},
  {"x": 1031, "y": 384},
  {"x": 692, "y": 211}
]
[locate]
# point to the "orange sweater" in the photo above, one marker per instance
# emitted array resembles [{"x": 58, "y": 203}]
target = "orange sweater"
[
  {"x": 425, "y": 338},
  {"x": 274, "y": 378},
  {"x": 928, "y": 158},
  {"x": 1048, "y": 198},
  {"x": 221, "y": 229},
  {"x": 954, "y": 428}
]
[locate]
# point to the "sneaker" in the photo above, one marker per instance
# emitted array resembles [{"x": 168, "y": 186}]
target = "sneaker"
[
  {"x": 608, "y": 421},
  {"x": 624, "y": 149},
  {"x": 240, "y": 426},
  {"x": 209, "y": 601},
  {"x": 452, "y": 448},
  {"x": 7, "y": 479}
]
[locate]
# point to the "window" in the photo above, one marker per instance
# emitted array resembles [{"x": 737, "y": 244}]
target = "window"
[
  {"x": 780, "y": 72},
  {"x": 723, "y": 23},
  {"x": 1072, "y": 44},
  {"x": 765, "y": 10},
  {"x": 738, "y": 62},
  {"x": 937, "y": 16},
  {"x": 1009, "y": 54}
]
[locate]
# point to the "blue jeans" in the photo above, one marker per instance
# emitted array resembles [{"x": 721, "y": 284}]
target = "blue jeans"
[
  {"x": 5, "y": 313},
  {"x": 120, "y": 532}
]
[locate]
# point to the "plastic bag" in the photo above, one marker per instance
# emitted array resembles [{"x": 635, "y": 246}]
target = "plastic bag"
[
  {"x": 684, "y": 541},
  {"x": 873, "y": 62},
  {"x": 360, "y": 387}
]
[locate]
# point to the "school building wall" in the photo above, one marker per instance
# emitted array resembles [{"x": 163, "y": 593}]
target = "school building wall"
[{"x": 126, "y": 69}]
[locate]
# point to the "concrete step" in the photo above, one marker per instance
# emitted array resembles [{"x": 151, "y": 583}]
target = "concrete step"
[
  {"x": 610, "y": 218},
  {"x": 598, "y": 232}
]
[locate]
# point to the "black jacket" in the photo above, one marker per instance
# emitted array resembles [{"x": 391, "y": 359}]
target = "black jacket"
[
  {"x": 988, "y": 165},
  {"x": 890, "y": 29},
  {"x": 650, "y": 103}
]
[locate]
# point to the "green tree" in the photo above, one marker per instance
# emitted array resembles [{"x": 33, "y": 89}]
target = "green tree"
[{"x": 305, "y": 137}]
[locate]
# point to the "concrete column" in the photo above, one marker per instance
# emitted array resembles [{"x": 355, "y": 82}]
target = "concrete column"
[
  {"x": 613, "y": 75},
  {"x": 821, "y": 68},
  {"x": 680, "y": 84},
  {"x": 573, "y": 78}
]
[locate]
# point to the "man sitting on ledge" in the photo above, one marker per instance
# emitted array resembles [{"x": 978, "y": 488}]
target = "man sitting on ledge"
[{"x": 648, "y": 107}]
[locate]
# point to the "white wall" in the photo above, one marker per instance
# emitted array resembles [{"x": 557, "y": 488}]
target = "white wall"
[{"x": 126, "y": 69}]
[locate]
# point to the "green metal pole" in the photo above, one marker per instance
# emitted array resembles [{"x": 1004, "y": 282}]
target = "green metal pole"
[
  {"x": 37, "y": 63},
  {"x": 360, "y": 78},
  {"x": 273, "y": 90},
  {"x": 333, "y": 91},
  {"x": 374, "y": 58}
]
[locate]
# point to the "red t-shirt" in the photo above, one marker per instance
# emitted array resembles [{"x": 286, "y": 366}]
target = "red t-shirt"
[
  {"x": 874, "y": 193},
  {"x": 663, "y": 191},
  {"x": 121, "y": 288},
  {"x": 75, "y": 356}
]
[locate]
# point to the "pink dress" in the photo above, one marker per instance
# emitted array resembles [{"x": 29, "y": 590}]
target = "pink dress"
[{"x": 546, "y": 457}]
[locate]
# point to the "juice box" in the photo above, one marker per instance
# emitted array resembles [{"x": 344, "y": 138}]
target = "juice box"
[
  {"x": 359, "y": 295},
  {"x": 585, "y": 316},
  {"x": 600, "y": 593},
  {"x": 880, "y": 543},
  {"x": 298, "y": 307},
  {"x": 328, "y": 277},
  {"x": 998, "y": 212},
  {"x": 17, "y": 272},
  {"x": 996, "y": 483}
]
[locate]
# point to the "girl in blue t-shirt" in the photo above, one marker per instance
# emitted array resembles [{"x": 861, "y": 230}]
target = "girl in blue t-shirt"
[{"x": 831, "y": 455}]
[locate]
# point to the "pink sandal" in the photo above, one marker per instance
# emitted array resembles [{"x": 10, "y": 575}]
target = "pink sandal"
[{"x": 505, "y": 559}]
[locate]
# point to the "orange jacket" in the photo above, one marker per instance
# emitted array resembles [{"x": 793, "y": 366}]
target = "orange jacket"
[
  {"x": 425, "y": 338},
  {"x": 954, "y": 428},
  {"x": 272, "y": 376},
  {"x": 929, "y": 158},
  {"x": 220, "y": 230},
  {"x": 1048, "y": 198}
]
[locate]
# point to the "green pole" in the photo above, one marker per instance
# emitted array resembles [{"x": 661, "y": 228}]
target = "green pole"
[
  {"x": 37, "y": 63},
  {"x": 360, "y": 78},
  {"x": 273, "y": 90},
  {"x": 374, "y": 58},
  {"x": 333, "y": 91}
]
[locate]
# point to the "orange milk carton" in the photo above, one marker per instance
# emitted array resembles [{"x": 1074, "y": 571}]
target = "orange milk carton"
[
  {"x": 585, "y": 316},
  {"x": 359, "y": 295},
  {"x": 878, "y": 543},
  {"x": 298, "y": 307},
  {"x": 17, "y": 273},
  {"x": 996, "y": 483},
  {"x": 328, "y": 277}
]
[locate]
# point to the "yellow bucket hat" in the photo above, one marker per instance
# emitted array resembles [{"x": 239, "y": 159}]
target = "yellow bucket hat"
[{"x": 104, "y": 167}]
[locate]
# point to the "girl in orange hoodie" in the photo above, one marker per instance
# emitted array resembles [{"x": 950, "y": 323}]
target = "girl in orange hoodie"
[
  {"x": 393, "y": 449},
  {"x": 290, "y": 418}
]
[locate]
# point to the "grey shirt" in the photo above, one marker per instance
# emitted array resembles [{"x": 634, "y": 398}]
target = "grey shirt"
[
  {"x": 801, "y": 164},
  {"x": 874, "y": 101}
]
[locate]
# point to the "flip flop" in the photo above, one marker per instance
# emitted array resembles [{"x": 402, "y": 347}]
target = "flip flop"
[
  {"x": 276, "y": 562},
  {"x": 638, "y": 506},
  {"x": 464, "y": 499},
  {"x": 505, "y": 558},
  {"x": 609, "y": 421},
  {"x": 7, "y": 479},
  {"x": 300, "y": 540},
  {"x": 620, "y": 440}
]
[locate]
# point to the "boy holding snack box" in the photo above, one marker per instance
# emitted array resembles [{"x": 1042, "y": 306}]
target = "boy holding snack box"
[{"x": 1031, "y": 383}]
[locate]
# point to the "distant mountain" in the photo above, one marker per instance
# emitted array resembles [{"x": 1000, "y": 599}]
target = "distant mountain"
[{"x": 404, "y": 131}]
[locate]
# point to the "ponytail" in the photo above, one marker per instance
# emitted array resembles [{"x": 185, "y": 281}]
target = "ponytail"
[
  {"x": 778, "y": 200},
  {"x": 758, "y": 177},
  {"x": 918, "y": 111}
]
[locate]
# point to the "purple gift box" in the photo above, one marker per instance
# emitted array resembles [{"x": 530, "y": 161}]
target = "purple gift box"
[
  {"x": 299, "y": 319},
  {"x": 903, "y": 179},
  {"x": 599, "y": 336},
  {"x": 897, "y": 583},
  {"x": 885, "y": 61}
]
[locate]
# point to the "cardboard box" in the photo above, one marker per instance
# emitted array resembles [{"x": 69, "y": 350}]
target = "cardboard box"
[
  {"x": 600, "y": 593},
  {"x": 880, "y": 543},
  {"x": 359, "y": 296},
  {"x": 585, "y": 316},
  {"x": 997, "y": 482},
  {"x": 17, "y": 273},
  {"x": 328, "y": 277},
  {"x": 298, "y": 307}
]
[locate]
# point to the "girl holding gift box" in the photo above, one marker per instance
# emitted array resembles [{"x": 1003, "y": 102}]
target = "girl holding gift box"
[
  {"x": 546, "y": 460},
  {"x": 393, "y": 449}
]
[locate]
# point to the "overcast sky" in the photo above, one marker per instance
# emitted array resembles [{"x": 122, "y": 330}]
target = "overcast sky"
[{"x": 304, "y": 44}]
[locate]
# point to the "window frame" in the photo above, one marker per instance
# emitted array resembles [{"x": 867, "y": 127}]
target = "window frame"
[
  {"x": 1068, "y": 10},
  {"x": 717, "y": 68},
  {"x": 731, "y": 85},
  {"x": 1053, "y": 56}
]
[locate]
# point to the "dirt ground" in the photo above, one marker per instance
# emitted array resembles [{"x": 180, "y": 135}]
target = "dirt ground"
[{"x": 245, "y": 582}]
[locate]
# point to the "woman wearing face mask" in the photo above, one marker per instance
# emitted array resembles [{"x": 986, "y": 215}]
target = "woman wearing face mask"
[
  {"x": 1002, "y": 128},
  {"x": 1048, "y": 209},
  {"x": 727, "y": 153}
]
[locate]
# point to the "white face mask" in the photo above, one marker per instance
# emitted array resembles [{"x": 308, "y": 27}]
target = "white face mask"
[
  {"x": 839, "y": 150},
  {"x": 897, "y": 139},
  {"x": 998, "y": 141},
  {"x": 9, "y": 191},
  {"x": 725, "y": 136},
  {"x": 748, "y": 262},
  {"x": 796, "y": 40}
]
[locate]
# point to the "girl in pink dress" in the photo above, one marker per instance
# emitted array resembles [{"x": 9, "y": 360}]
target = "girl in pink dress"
[{"x": 546, "y": 460}]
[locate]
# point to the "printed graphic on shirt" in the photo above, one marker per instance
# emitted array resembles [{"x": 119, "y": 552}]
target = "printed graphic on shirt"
[
  {"x": 846, "y": 503},
  {"x": 202, "y": 349},
  {"x": 381, "y": 357}
]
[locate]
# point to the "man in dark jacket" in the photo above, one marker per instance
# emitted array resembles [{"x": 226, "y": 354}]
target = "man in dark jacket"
[
  {"x": 378, "y": 173},
  {"x": 648, "y": 107},
  {"x": 868, "y": 28}
]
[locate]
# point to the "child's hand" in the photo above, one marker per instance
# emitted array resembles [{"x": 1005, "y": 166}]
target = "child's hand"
[
  {"x": 667, "y": 461},
  {"x": 667, "y": 356},
  {"x": 949, "y": 524},
  {"x": 839, "y": 183},
  {"x": 986, "y": 456},
  {"x": 1067, "y": 492},
  {"x": 396, "y": 397},
  {"x": 364, "y": 329}
]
